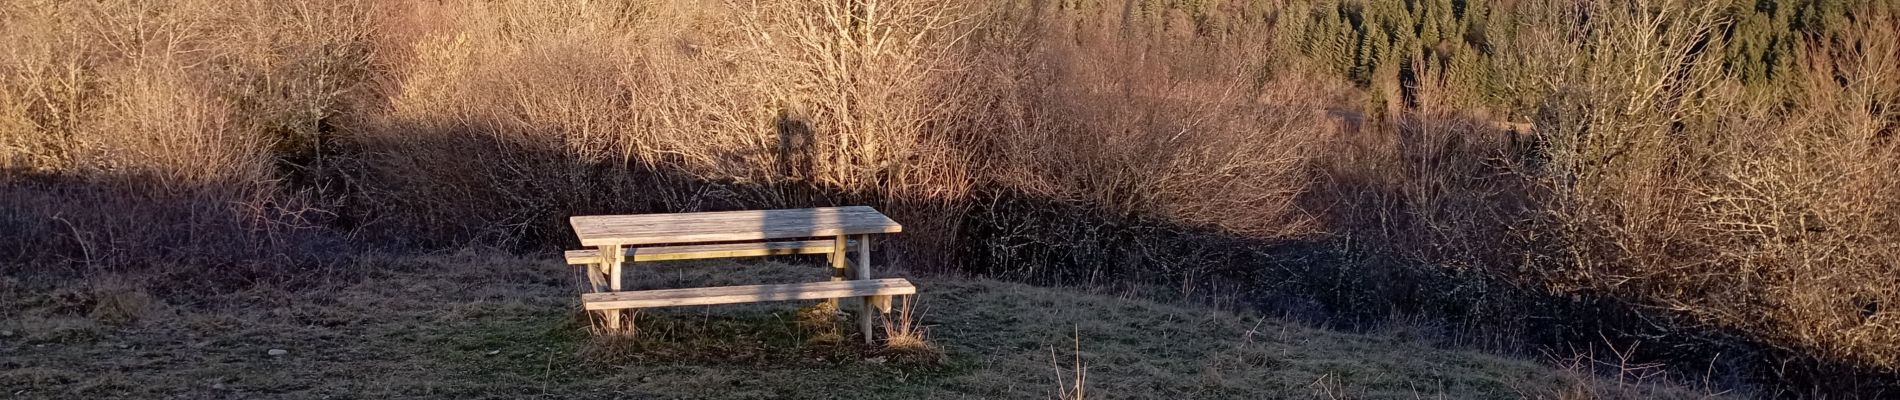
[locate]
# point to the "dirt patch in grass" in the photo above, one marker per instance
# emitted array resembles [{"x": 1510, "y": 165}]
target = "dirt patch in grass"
[{"x": 484, "y": 326}]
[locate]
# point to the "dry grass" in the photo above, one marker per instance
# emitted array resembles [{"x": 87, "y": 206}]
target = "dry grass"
[
  {"x": 905, "y": 336},
  {"x": 1074, "y": 387},
  {"x": 823, "y": 321},
  {"x": 474, "y": 324}
]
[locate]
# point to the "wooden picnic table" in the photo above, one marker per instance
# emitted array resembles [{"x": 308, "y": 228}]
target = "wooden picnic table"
[{"x": 619, "y": 239}]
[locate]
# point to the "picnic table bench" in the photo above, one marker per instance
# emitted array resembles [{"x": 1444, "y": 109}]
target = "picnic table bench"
[{"x": 620, "y": 239}]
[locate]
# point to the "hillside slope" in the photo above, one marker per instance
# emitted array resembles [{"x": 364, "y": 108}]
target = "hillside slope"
[{"x": 482, "y": 326}]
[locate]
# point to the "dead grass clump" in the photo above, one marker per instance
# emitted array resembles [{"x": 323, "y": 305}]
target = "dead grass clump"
[
  {"x": 596, "y": 323},
  {"x": 906, "y": 339},
  {"x": 118, "y": 300},
  {"x": 1618, "y": 373},
  {"x": 1075, "y": 386},
  {"x": 822, "y": 323},
  {"x": 611, "y": 350}
]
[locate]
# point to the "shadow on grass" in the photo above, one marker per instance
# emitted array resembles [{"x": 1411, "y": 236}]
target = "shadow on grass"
[{"x": 727, "y": 336}]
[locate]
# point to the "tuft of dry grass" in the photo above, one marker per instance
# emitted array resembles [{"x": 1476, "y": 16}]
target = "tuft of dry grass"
[
  {"x": 1620, "y": 374},
  {"x": 905, "y": 336},
  {"x": 1075, "y": 387},
  {"x": 629, "y": 323},
  {"x": 119, "y": 300},
  {"x": 823, "y": 322}
]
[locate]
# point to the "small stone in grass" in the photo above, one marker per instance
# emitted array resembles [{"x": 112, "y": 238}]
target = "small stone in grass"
[
  {"x": 278, "y": 352},
  {"x": 6, "y": 333}
]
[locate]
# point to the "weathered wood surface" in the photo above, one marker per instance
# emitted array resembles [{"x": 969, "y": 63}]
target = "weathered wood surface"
[
  {"x": 601, "y": 230},
  {"x": 722, "y": 250},
  {"x": 839, "y": 248},
  {"x": 747, "y": 294},
  {"x": 613, "y": 265},
  {"x": 864, "y": 274}
]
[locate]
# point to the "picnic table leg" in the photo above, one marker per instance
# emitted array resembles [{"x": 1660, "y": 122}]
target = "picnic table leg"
[
  {"x": 864, "y": 273},
  {"x": 611, "y": 257},
  {"x": 596, "y": 274},
  {"x": 838, "y": 250}
]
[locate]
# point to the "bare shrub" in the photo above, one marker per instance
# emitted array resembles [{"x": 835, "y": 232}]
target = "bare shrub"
[
  {"x": 1674, "y": 189},
  {"x": 1115, "y": 151},
  {"x": 1193, "y": 138},
  {"x": 1725, "y": 218},
  {"x": 510, "y": 116},
  {"x": 141, "y": 131}
]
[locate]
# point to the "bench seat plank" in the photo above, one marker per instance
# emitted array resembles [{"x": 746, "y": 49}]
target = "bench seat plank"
[
  {"x": 723, "y": 250},
  {"x": 747, "y": 294}
]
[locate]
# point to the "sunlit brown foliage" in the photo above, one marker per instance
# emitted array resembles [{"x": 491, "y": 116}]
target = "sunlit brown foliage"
[{"x": 1608, "y": 154}]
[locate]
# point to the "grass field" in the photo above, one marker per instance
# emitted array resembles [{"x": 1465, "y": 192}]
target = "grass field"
[{"x": 484, "y": 326}]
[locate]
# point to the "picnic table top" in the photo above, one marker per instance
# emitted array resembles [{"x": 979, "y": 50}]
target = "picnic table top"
[{"x": 678, "y": 228}]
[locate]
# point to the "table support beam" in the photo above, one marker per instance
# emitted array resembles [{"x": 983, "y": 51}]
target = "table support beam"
[
  {"x": 864, "y": 273},
  {"x": 614, "y": 256},
  {"x": 838, "y": 263}
]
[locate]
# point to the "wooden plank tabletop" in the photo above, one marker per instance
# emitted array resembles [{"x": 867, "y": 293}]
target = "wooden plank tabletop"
[{"x": 639, "y": 229}]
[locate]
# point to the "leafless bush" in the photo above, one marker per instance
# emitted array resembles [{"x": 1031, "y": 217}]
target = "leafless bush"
[
  {"x": 1722, "y": 215},
  {"x": 1673, "y": 188},
  {"x": 1116, "y": 148},
  {"x": 140, "y": 131},
  {"x": 1136, "y": 125},
  {"x": 509, "y": 116}
]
